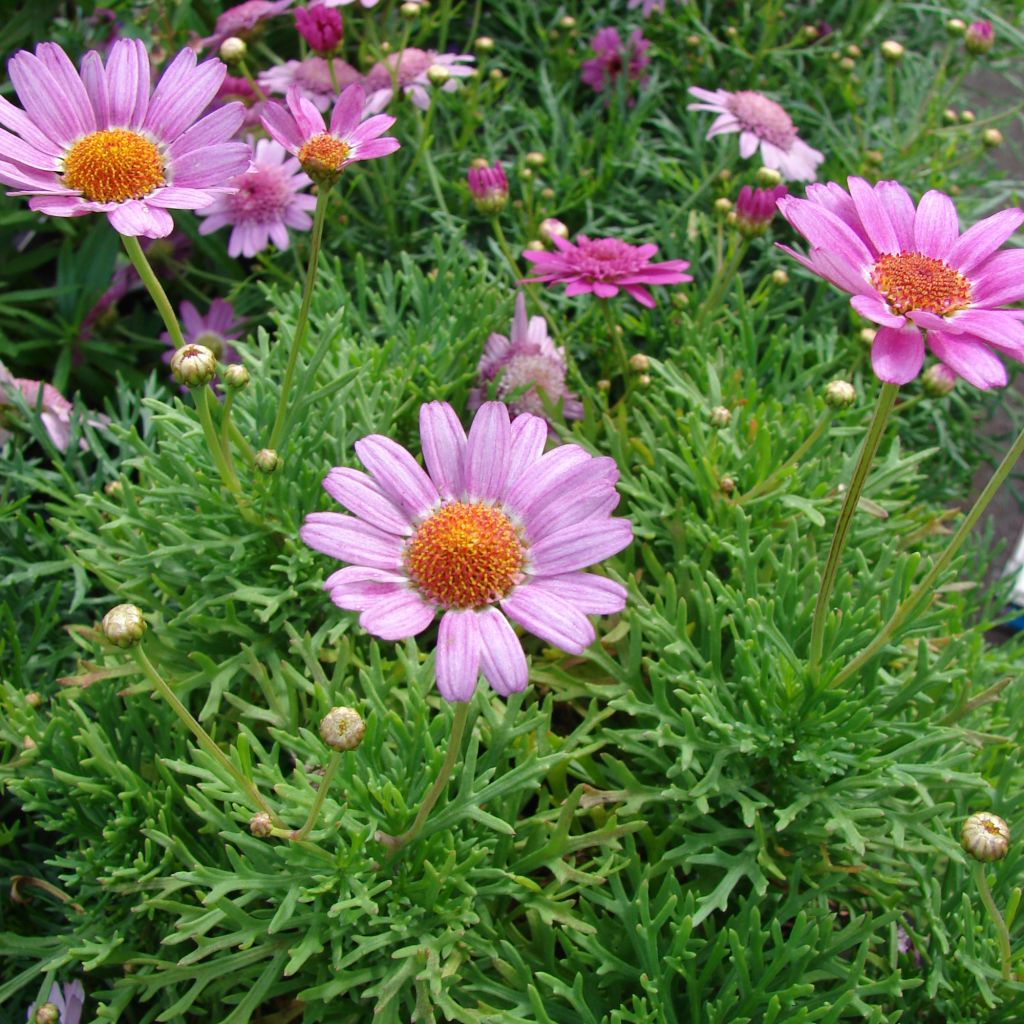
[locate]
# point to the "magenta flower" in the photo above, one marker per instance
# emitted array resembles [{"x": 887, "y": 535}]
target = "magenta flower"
[
  {"x": 760, "y": 122},
  {"x": 912, "y": 271},
  {"x": 603, "y": 266},
  {"x": 267, "y": 201},
  {"x": 524, "y": 364},
  {"x": 493, "y": 530},
  {"x": 320, "y": 26},
  {"x": 489, "y": 188},
  {"x": 312, "y": 76},
  {"x": 409, "y": 68},
  {"x": 98, "y": 142},
  {"x": 216, "y": 330},
  {"x": 241, "y": 19},
  {"x": 613, "y": 59},
  {"x": 979, "y": 37},
  {"x": 325, "y": 154},
  {"x": 755, "y": 208}
]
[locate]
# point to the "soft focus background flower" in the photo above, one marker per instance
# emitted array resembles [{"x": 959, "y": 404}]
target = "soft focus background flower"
[
  {"x": 613, "y": 58},
  {"x": 488, "y": 186},
  {"x": 241, "y": 20},
  {"x": 215, "y": 330},
  {"x": 320, "y": 26},
  {"x": 312, "y": 77},
  {"x": 408, "y": 68},
  {"x": 69, "y": 1002},
  {"x": 53, "y": 409}
]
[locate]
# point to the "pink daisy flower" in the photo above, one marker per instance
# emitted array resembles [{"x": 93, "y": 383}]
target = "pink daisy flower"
[
  {"x": 98, "y": 142},
  {"x": 216, "y": 330},
  {"x": 324, "y": 153},
  {"x": 603, "y": 266},
  {"x": 613, "y": 58},
  {"x": 493, "y": 530},
  {"x": 241, "y": 19},
  {"x": 409, "y": 68},
  {"x": 760, "y": 122},
  {"x": 267, "y": 201},
  {"x": 913, "y": 273},
  {"x": 54, "y": 409},
  {"x": 524, "y": 364},
  {"x": 312, "y": 77}
]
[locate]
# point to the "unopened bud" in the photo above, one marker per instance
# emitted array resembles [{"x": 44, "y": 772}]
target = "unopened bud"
[
  {"x": 892, "y": 51},
  {"x": 867, "y": 335},
  {"x": 725, "y": 175},
  {"x": 727, "y": 484},
  {"x": 124, "y": 625},
  {"x": 46, "y": 1014},
  {"x": 438, "y": 74},
  {"x": 484, "y": 44},
  {"x": 854, "y": 52},
  {"x": 950, "y": 116},
  {"x": 568, "y": 21},
  {"x": 604, "y": 385},
  {"x": 979, "y": 37},
  {"x": 33, "y": 700},
  {"x": 235, "y": 377},
  {"x": 722, "y": 205},
  {"x": 551, "y": 228},
  {"x": 526, "y": 173},
  {"x": 985, "y": 836},
  {"x": 938, "y": 380},
  {"x": 840, "y": 394},
  {"x": 874, "y": 156},
  {"x": 644, "y": 380},
  {"x": 847, "y": 64},
  {"x": 547, "y": 194},
  {"x": 267, "y": 461},
  {"x": 720, "y": 417},
  {"x": 731, "y": 32},
  {"x": 534, "y": 158},
  {"x": 639, "y": 362},
  {"x": 113, "y": 488},
  {"x": 409, "y": 10},
  {"x": 342, "y": 728},
  {"x": 956, "y": 27},
  {"x": 496, "y": 74},
  {"x": 768, "y": 177},
  {"x": 692, "y": 41},
  {"x": 232, "y": 50},
  {"x": 260, "y": 825},
  {"x": 194, "y": 366},
  {"x": 967, "y": 117},
  {"x": 28, "y": 743},
  {"x": 535, "y": 245},
  {"x": 992, "y": 138},
  {"x": 780, "y": 277}
]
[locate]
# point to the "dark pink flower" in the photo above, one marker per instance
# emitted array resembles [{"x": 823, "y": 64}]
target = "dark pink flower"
[
  {"x": 489, "y": 188},
  {"x": 755, "y": 208},
  {"x": 603, "y": 266},
  {"x": 320, "y": 26},
  {"x": 614, "y": 59},
  {"x": 979, "y": 37}
]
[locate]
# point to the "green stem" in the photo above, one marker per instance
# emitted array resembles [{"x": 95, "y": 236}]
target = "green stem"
[
  {"x": 503, "y": 245},
  {"x": 155, "y": 289},
  {"x": 201, "y": 735},
  {"x": 302, "y": 324},
  {"x": 924, "y": 588},
  {"x": 254, "y": 85},
  {"x": 1002, "y": 932},
  {"x": 201, "y": 396},
  {"x": 318, "y": 800},
  {"x": 225, "y": 426},
  {"x": 334, "y": 75},
  {"x": 722, "y": 282},
  {"x": 808, "y": 443},
  {"x": 395, "y": 843},
  {"x": 886, "y": 398}
]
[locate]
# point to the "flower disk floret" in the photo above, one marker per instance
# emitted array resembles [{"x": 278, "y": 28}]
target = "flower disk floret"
[{"x": 494, "y": 529}]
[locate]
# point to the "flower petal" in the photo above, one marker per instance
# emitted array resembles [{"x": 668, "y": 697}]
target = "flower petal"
[
  {"x": 444, "y": 447},
  {"x": 583, "y": 544},
  {"x": 397, "y": 616},
  {"x": 486, "y": 465},
  {"x": 457, "y": 658},
  {"x": 969, "y": 358},
  {"x": 363, "y": 498},
  {"x": 592, "y": 594},
  {"x": 357, "y": 587},
  {"x": 501, "y": 654},
  {"x": 897, "y": 354},
  {"x": 549, "y": 616},
  {"x": 935, "y": 227},
  {"x": 529, "y": 435},
  {"x": 980, "y": 240},
  {"x": 398, "y": 474},
  {"x": 874, "y": 216},
  {"x": 351, "y": 540}
]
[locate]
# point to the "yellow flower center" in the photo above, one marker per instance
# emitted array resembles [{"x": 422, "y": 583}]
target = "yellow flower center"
[
  {"x": 114, "y": 165},
  {"x": 910, "y": 280},
  {"x": 465, "y": 555},
  {"x": 323, "y": 153}
]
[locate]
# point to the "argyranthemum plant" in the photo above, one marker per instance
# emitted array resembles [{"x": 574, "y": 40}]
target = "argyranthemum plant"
[
  {"x": 493, "y": 530},
  {"x": 99, "y": 142}
]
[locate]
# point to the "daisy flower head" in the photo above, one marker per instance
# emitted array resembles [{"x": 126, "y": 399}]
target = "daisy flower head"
[
  {"x": 325, "y": 152},
  {"x": 614, "y": 58},
  {"x": 488, "y": 186},
  {"x": 761, "y": 122},
  {"x": 755, "y": 208},
  {"x": 408, "y": 68},
  {"x": 312, "y": 77},
  {"x": 99, "y": 142},
  {"x": 492, "y": 530},
  {"x": 242, "y": 20},
  {"x": 529, "y": 369},
  {"x": 267, "y": 200},
  {"x": 913, "y": 273},
  {"x": 53, "y": 409},
  {"x": 603, "y": 266}
]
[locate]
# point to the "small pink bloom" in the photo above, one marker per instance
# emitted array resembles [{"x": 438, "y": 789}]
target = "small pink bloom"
[
  {"x": 53, "y": 409},
  {"x": 409, "y": 68},
  {"x": 755, "y": 208},
  {"x": 524, "y": 364},
  {"x": 241, "y": 19},
  {"x": 312, "y": 77},
  {"x": 912, "y": 272},
  {"x": 489, "y": 188},
  {"x": 216, "y": 330},
  {"x": 320, "y": 26},
  {"x": 613, "y": 59},
  {"x": 267, "y": 201},
  {"x": 103, "y": 141},
  {"x": 761, "y": 122},
  {"x": 492, "y": 530},
  {"x": 603, "y": 266},
  {"x": 979, "y": 37}
]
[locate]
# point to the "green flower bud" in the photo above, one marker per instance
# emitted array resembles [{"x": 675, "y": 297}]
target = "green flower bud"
[
  {"x": 124, "y": 625},
  {"x": 194, "y": 366},
  {"x": 985, "y": 836},
  {"x": 342, "y": 728},
  {"x": 267, "y": 461},
  {"x": 840, "y": 394}
]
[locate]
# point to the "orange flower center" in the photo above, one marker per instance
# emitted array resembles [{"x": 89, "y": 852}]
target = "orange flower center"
[
  {"x": 910, "y": 280},
  {"x": 323, "y": 153},
  {"x": 465, "y": 555},
  {"x": 114, "y": 165}
]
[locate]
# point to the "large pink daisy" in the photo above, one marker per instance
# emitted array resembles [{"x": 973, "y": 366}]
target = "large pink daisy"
[
  {"x": 493, "y": 530},
  {"x": 760, "y": 122},
  {"x": 98, "y": 142},
  {"x": 912, "y": 272},
  {"x": 603, "y": 266}
]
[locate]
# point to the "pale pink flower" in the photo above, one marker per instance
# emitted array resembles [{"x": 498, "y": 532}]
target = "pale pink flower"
[
  {"x": 524, "y": 364},
  {"x": 267, "y": 201},
  {"x": 312, "y": 77},
  {"x": 408, "y": 68},
  {"x": 98, "y": 142},
  {"x": 53, "y": 409},
  {"x": 912, "y": 272},
  {"x": 761, "y": 122},
  {"x": 69, "y": 1002},
  {"x": 216, "y": 330},
  {"x": 241, "y": 19},
  {"x": 613, "y": 58},
  {"x": 492, "y": 530},
  {"x": 603, "y": 266}
]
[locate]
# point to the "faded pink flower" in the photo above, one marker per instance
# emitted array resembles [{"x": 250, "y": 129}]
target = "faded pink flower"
[
  {"x": 915, "y": 274},
  {"x": 98, "y": 142},
  {"x": 53, "y": 409},
  {"x": 242, "y": 19},
  {"x": 408, "y": 68},
  {"x": 613, "y": 59},
  {"x": 312, "y": 77},
  {"x": 492, "y": 530},
  {"x": 761, "y": 122},
  {"x": 524, "y": 364},
  {"x": 603, "y": 266}
]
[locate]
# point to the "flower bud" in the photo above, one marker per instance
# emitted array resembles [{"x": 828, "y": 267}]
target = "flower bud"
[
  {"x": 232, "y": 50},
  {"x": 320, "y": 26},
  {"x": 260, "y": 825},
  {"x": 535, "y": 245},
  {"x": 496, "y": 74},
  {"x": 847, "y": 64},
  {"x": 854, "y": 52},
  {"x": 979, "y": 37},
  {"x": 568, "y": 21},
  {"x": 892, "y": 51},
  {"x": 692, "y": 41},
  {"x": 535, "y": 159},
  {"x": 235, "y": 377},
  {"x": 992, "y": 138},
  {"x": 484, "y": 44},
  {"x": 194, "y": 366},
  {"x": 113, "y": 488},
  {"x": 644, "y": 380},
  {"x": 768, "y": 177},
  {"x": 551, "y": 228},
  {"x": 438, "y": 74},
  {"x": 967, "y": 117},
  {"x": 867, "y": 335},
  {"x": 342, "y": 729},
  {"x": 547, "y": 194},
  {"x": 938, "y": 380},
  {"x": 840, "y": 394},
  {"x": 780, "y": 277},
  {"x": 489, "y": 187},
  {"x": 409, "y": 10},
  {"x": 266, "y": 460},
  {"x": 604, "y": 385},
  {"x": 874, "y": 156},
  {"x": 46, "y": 1014},
  {"x": 33, "y": 700},
  {"x": 639, "y": 362},
  {"x": 526, "y": 174},
  {"x": 755, "y": 209},
  {"x": 720, "y": 417},
  {"x": 985, "y": 836},
  {"x": 950, "y": 116},
  {"x": 727, "y": 484},
  {"x": 956, "y": 27},
  {"x": 123, "y": 625},
  {"x": 722, "y": 206}
]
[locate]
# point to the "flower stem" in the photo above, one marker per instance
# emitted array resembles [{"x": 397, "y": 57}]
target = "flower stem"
[
  {"x": 228, "y": 477},
  {"x": 722, "y": 282},
  {"x": 155, "y": 289},
  {"x": 302, "y": 324},
  {"x": 201, "y": 735},
  {"x": 503, "y": 245},
  {"x": 318, "y": 800},
  {"x": 1002, "y": 932},
  {"x": 334, "y": 76},
  {"x": 886, "y": 398},
  {"x": 395, "y": 843},
  {"x": 924, "y": 588}
]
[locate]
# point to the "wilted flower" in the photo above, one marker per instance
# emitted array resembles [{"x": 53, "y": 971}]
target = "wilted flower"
[
  {"x": 523, "y": 364},
  {"x": 267, "y": 201},
  {"x": 979, "y": 37},
  {"x": 761, "y": 122},
  {"x": 603, "y": 266},
  {"x": 489, "y": 188},
  {"x": 320, "y": 26},
  {"x": 312, "y": 77},
  {"x": 54, "y": 409},
  {"x": 408, "y": 68},
  {"x": 98, "y": 142},
  {"x": 912, "y": 271},
  {"x": 613, "y": 58},
  {"x": 755, "y": 208},
  {"x": 492, "y": 528},
  {"x": 242, "y": 19}
]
